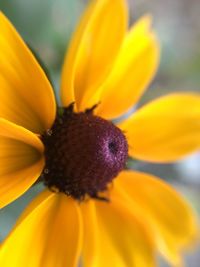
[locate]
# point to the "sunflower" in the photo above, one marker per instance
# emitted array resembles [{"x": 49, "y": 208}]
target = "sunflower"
[{"x": 93, "y": 210}]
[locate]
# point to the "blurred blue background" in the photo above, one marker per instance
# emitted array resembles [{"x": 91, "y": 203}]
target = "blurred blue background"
[{"x": 47, "y": 26}]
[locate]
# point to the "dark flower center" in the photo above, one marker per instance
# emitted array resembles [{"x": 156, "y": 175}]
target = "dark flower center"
[{"x": 84, "y": 153}]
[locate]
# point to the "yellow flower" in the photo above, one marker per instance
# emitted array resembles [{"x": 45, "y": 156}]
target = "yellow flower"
[{"x": 82, "y": 216}]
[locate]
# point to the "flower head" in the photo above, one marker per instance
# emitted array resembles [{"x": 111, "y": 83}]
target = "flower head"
[
  {"x": 93, "y": 210},
  {"x": 83, "y": 153}
]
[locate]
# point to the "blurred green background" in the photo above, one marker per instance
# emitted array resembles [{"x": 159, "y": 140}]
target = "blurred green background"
[{"x": 47, "y": 26}]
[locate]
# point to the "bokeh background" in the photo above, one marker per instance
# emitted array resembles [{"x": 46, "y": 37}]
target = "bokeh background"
[{"x": 47, "y": 26}]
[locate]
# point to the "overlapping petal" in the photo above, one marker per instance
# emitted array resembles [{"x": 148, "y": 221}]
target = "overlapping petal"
[
  {"x": 21, "y": 160},
  {"x": 48, "y": 234},
  {"x": 172, "y": 221},
  {"x": 92, "y": 51},
  {"x": 132, "y": 72},
  {"x": 165, "y": 129},
  {"x": 115, "y": 236},
  {"x": 26, "y": 95}
]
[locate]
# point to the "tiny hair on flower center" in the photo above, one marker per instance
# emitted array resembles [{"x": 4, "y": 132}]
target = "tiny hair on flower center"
[{"x": 83, "y": 154}]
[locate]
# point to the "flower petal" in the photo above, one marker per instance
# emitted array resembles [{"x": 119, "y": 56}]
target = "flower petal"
[
  {"x": 163, "y": 209},
  {"x": 167, "y": 129},
  {"x": 21, "y": 161},
  {"x": 92, "y": 51},
  {"x": 121, "y": 239},
  {"x": 26, "y": 95},
  {"x": 90, "y": 232},
  {"x": 49, "y": 234},
  {"x": 132, "y": 72}
]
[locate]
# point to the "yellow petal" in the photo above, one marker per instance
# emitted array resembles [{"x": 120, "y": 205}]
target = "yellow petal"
[
  {"x": 49, "y": 234},
  {"x": 90, "y": 234},
  {"x": 21, "y": 161},
  {"x": 121, "y": 239},
  {"x": 26, "y": 95},
  {"x": 162, "y": 209},
  {"x": 166, "y": 129},
  {"x": 132, "y": 72},
  {"x": 92, "y": 51}
]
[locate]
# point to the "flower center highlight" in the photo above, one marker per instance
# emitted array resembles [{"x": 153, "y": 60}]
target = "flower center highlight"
[{"x": 83, "y": 153}]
